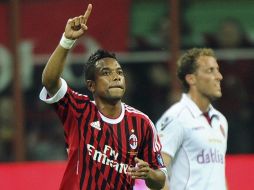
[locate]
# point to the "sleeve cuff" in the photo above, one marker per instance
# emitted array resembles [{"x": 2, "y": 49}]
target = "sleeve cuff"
[
  {"x": 58, "y": 96},
  {"x": 164, "y": 170}
]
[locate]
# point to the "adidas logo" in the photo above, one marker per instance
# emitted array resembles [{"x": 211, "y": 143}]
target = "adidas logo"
[{"x": 96, "y": 125}]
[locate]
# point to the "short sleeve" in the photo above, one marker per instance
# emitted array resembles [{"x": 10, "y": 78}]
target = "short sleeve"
[
  {"x": 44, "y": 95},
  {"x": 171, "y": 133},
  {"x": 68, "y": 104},
  {"x": 153, "y": 147}
]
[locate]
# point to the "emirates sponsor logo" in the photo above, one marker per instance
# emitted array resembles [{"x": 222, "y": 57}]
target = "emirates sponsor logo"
[{"x": 107, "y": 157}]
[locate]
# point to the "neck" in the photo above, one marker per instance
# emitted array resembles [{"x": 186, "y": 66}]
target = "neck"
[
  {"x": 109, "y": 109},
  {"x": 201, "y": 101}
]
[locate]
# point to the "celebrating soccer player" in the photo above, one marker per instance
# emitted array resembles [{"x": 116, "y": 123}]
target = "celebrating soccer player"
[{"x": 110, "y": 144}]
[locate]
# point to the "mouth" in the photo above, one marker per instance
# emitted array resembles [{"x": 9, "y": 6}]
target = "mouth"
[
  {"x": 116, "y": 86},
  {"x": 218, "y": 86}
]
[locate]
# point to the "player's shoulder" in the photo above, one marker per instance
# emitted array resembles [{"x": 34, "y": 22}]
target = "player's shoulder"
[
  {"x": 134, "y": 112},
  {"x": 172, "y": 116},
  {"x": 175, "y": 111},
  {"x": 76, "y": 95},
  {"x": 220, "y": 115}
]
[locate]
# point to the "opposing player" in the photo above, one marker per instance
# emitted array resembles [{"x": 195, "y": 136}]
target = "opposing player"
[
  {"x": 110, "y": 144},
  {"x": 192, "y": 132}
]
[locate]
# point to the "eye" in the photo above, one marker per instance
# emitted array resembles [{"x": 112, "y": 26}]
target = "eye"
[
  {"x": 120, "y": 72},
  {"x": 105, "y": 73},
  {"x": 210, "y": 70}
]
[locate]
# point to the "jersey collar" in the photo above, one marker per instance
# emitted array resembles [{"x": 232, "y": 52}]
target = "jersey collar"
[
  {"x": 113, "y": 121},
  {"x": 192, "y": 106}
]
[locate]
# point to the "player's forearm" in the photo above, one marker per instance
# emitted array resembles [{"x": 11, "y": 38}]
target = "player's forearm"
[
  {"x": 156, "y": 180},
  {"x": 74, "y": 29},
  {"x": 53, "y": 69},
  {"x": 166, "y": 186}
]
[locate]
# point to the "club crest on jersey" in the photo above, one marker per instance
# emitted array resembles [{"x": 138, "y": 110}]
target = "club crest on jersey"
[
  {"x": 133, "y": 141},
  {"x": 96, "y": 125}
]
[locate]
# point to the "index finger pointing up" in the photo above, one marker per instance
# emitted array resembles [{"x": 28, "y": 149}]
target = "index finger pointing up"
[{"x": 87, "y": 13}]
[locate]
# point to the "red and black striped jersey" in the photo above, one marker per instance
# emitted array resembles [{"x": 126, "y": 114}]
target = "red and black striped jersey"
[{"x": 101, "y": 149}]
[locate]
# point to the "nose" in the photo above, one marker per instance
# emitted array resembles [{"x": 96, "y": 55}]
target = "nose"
[
  {"x": 219, "y": 76},
  {"x": 115, "y": 76}
]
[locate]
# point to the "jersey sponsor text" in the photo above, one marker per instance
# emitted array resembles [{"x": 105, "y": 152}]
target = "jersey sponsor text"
[
  {"x": 103, "y": 158},
  {"x": 210, "y": 156}
]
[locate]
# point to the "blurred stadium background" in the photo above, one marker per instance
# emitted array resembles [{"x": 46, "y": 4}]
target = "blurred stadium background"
[{"x": 148, "y": 36}]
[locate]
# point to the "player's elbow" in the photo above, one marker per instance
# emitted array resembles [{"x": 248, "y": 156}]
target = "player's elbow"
[
  {"x": 158, "y": 182},
  {"x": 161, "y": 184},
  {"x": 157, "y": 186}
]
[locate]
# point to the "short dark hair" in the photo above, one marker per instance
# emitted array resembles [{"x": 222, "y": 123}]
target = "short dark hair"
[
  {"x": 90, "y": 64},
  {"x": 187, "y": 64}
]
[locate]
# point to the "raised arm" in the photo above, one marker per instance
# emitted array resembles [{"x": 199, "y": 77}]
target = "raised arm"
[{"x": 74, "y": 29}]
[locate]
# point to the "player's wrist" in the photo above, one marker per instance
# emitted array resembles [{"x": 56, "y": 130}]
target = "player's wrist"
[{"x": 66, "y": 43}]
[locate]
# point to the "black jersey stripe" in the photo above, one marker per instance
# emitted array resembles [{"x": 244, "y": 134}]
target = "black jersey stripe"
[
  {"x": 79, "y": 99},
  {"x": 119, "y": 140},
  {"x": 104, "y": 184},
  {"x": 75, "y": 107},
  {"x": 84, "y": 123},
  {"x": 106, "y": 139},
  {"x": 149, "y": 147},
  {"x": 125, "y": 135}
]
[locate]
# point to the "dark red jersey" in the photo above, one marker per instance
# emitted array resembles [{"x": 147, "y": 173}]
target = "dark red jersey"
[{"x": 101, "y": 149}]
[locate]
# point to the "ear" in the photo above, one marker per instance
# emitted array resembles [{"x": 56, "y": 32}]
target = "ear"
[
  {"x": 190, "y": 79},
  {"x": 90, "y": 85}
]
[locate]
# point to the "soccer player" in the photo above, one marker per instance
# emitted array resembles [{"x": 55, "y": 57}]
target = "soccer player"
[
  {"x": 110, "y": 144},
  {"x": 193, "y": 133}
]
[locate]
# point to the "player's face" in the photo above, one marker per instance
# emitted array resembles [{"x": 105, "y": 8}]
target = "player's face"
[
  {"x": 109, "y": 80},
  {"x": 208, "y": 78}
]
